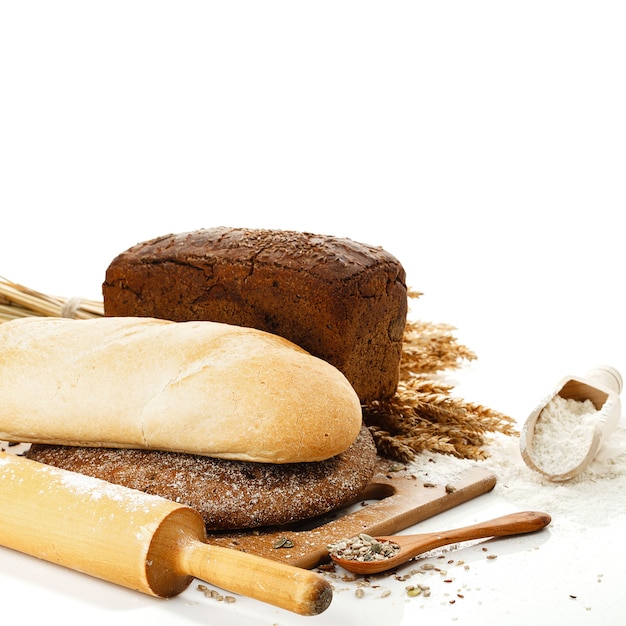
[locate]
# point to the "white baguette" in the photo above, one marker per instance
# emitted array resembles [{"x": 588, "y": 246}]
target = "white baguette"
[{"x": 196, "y": 387}]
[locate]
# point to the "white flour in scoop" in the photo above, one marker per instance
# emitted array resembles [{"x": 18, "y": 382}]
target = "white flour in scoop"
[{"x": 563, "y": 434}]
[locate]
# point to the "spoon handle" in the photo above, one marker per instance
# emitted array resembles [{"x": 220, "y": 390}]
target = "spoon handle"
[{"x": 512, "y": 524}]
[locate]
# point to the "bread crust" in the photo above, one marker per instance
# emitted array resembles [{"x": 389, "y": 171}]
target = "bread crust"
[
  {"x": 341, "y": 300},
  {"x": 195, "y": 387},
  {"x": 228, "y": 494}
]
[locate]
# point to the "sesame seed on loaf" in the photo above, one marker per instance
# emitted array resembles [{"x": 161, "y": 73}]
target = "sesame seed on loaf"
[{"x": 342, "y": 301}]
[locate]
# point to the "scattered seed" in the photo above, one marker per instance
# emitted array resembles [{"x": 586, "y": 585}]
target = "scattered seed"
[
  {"x": 283, "y": 542},
  {"x": 359, "y": 593},
  {"x": 214, "y": 594}
]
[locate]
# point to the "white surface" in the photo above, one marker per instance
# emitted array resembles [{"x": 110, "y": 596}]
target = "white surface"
[{"x": 481, "y": 143}]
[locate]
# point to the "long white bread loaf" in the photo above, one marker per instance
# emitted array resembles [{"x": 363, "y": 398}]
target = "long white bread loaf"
[{"x": 196, "y": 387}]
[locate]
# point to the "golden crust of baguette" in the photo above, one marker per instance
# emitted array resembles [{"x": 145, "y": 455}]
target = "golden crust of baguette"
[{"x": 202, "y": 388}]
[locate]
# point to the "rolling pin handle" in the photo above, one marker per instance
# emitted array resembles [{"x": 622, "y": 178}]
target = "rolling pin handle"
[{"x": 293, "y": 588}]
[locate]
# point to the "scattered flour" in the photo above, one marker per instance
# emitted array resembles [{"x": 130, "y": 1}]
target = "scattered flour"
[
  {"x": 81, "y": 486},
  {"x": 96, "y": 489},
  {"x": 593, "y": 498}
]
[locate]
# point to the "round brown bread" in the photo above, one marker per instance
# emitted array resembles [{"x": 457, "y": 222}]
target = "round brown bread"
[{"x": 228, "y": 494}]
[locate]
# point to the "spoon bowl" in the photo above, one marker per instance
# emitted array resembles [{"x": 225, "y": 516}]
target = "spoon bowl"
[{"x": 409, "y": 546}]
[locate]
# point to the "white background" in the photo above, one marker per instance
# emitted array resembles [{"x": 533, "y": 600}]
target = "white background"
[{"x": 482, "y": 143}]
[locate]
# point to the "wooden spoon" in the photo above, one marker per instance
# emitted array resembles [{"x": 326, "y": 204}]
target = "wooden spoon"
[{"x": 412, "y": 545}]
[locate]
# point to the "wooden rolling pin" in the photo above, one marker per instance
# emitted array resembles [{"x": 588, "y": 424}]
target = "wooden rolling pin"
[{"x": 137, "y": 540}]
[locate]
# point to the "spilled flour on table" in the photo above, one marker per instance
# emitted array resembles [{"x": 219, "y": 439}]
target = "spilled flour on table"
[{"x": 592, "y": 498}]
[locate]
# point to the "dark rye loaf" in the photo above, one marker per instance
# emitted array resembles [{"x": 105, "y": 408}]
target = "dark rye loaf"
[
  {"x": 342, "y": 301},
  {"x": 228, "y": 494}
]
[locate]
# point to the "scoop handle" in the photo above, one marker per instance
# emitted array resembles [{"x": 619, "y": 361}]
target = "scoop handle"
[
  {"x": 607, "y": 376},
  {"x": 295, "y": 589},
  {"x": 512, "y": 524}
]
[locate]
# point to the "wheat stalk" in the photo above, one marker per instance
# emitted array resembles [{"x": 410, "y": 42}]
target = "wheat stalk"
[
  {"x": 18, "y": 301},
  {"x": 423, "y": 416}
]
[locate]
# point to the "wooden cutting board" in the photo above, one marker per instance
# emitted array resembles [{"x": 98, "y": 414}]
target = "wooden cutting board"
[{"x": 393, "y": 501}]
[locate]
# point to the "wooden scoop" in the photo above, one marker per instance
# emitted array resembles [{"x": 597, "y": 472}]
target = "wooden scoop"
[
  {"x": 602, "y": 387},
  {"x": 412, "y": 545},
  {"x": 137, "y": 540}
]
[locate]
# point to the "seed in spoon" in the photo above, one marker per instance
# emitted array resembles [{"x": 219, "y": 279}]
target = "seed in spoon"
[{"x": 363, "y": 547}]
